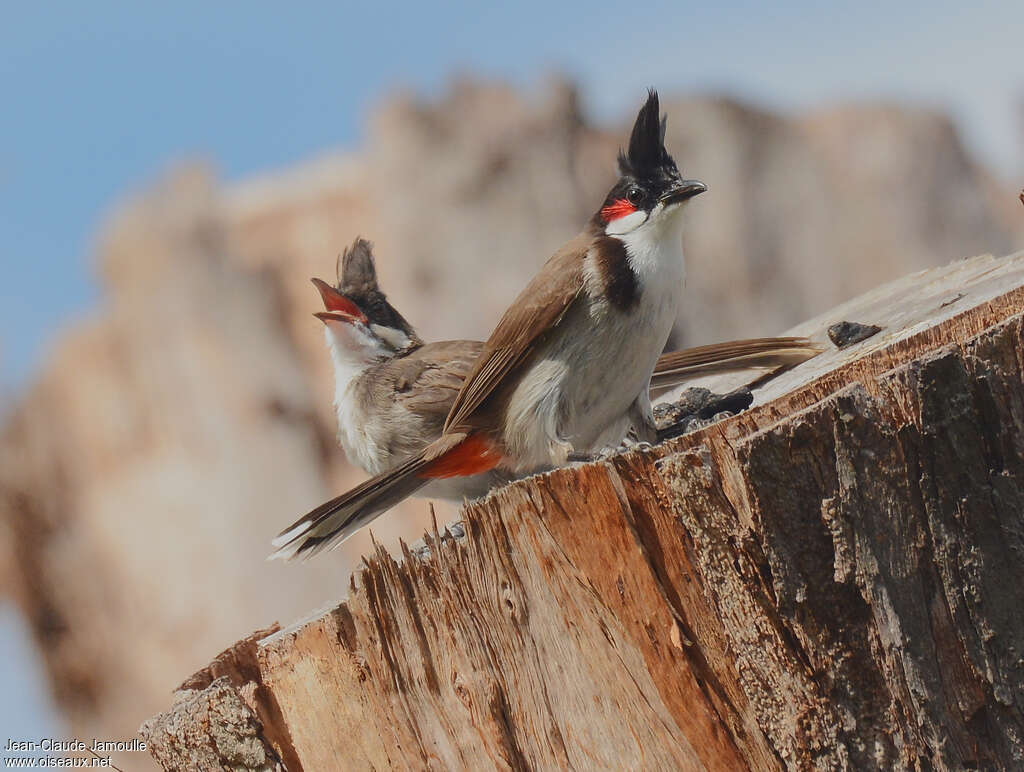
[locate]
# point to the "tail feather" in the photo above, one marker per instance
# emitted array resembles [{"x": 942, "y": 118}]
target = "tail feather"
[
  {"x": 336, "y": 520},
  {"x": 677, "y": 367}
]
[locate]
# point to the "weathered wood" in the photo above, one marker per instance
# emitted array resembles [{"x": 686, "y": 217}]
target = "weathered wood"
[
  {"x": 223, "y": 717},
  {"x": 831, "y": 579}
]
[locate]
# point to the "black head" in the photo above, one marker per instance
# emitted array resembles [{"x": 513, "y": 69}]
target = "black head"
[
  {"x": 648, "y": 174},
  {"x": 357, "y": 280}
]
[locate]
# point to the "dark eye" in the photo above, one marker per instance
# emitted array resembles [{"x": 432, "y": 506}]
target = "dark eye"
[{"x": 635, "y": 196}]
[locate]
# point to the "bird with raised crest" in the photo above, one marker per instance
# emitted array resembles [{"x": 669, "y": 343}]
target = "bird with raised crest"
[
  {"x": 393, "y": 391},
  {"x": 566, "y": 371}
]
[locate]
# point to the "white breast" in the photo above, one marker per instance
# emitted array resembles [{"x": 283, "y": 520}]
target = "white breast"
[
  {"x": 585, "y": 380},
  {"x": 355, "y": 432}
]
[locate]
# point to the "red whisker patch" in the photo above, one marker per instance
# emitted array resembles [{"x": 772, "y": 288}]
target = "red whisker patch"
[
  {"x": 618, "y": 208},
  {"x": 471, "y": 456}
]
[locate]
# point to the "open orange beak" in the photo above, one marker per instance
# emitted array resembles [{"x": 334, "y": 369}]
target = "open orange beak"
[{"x": 339, "y": 308}]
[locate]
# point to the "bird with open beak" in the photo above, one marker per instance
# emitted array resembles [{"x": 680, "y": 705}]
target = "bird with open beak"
[{"x": 566, "y": 370}]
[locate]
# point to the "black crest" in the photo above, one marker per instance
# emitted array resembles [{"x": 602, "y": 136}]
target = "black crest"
[
  {"x": 357, "y": 280},
  {"x": 647, "y": 155}
]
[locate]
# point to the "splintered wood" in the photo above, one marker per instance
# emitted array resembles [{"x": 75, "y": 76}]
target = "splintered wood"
[{"x": 832, "y": 579}]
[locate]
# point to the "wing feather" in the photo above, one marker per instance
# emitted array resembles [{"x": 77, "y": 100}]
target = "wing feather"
[
  {"x": 435, "y": 383},
  {"x": 535, "y": 313},
  {"x": 676, "y": 367}
]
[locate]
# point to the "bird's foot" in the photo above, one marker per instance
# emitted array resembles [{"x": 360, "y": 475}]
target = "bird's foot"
[
  {"x": 631, "y": 443},
  {"x": 589, "y": 457},
  {"x": 609, "y": 451}
]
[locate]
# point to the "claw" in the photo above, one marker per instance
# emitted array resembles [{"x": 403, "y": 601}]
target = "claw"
[
  {"x": 609, "y": 451},
  {"x": 598, "y": 455},
  {"x": 581, "y": 458}
]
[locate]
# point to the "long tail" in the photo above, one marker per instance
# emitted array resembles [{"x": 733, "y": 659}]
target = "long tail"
[
  {"x": 677, "y": 367},
  {"x": 336, "y": 520}
]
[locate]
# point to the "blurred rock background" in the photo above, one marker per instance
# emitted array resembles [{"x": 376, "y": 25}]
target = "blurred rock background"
[{"x": 173, "y": 432}]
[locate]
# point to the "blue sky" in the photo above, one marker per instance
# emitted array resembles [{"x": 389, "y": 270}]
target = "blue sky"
[{"x": 101, "y": 96}]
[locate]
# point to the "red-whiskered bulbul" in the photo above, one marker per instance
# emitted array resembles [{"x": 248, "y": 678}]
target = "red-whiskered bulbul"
[
  {"x": 393, "y": 392},
  {"x": 568, "y": 366}
]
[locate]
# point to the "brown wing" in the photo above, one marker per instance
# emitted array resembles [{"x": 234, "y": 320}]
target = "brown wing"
[
  {"x": 430, "y": 377},
  {"x": 677, "y": 366},
  {"x": 407, "y": 398},
  {"x": 536, "y": 311}
]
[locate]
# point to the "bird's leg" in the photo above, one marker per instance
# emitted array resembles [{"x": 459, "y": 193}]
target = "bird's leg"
[
  {"x": 561, "y": 451},
  {"x": 641, "y": 433}
]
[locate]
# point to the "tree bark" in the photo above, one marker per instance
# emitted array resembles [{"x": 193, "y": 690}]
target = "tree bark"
[{"x": 831, "y": 579}]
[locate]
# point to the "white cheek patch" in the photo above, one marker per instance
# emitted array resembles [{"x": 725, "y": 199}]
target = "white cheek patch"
[
  {"x": 394, "y": 337},
  {"x": 627, "y": 224},
  {"x": 353, "y": 345}
]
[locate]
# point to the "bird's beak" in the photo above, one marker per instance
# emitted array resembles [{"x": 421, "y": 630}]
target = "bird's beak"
[
  {"x": 684, "y": 190},
  {"x": 332, "y": 316},
  {"x": 339, "y": 308}
]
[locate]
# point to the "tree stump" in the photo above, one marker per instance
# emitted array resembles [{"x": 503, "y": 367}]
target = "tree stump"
[{"x": 833, "y": 579}]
